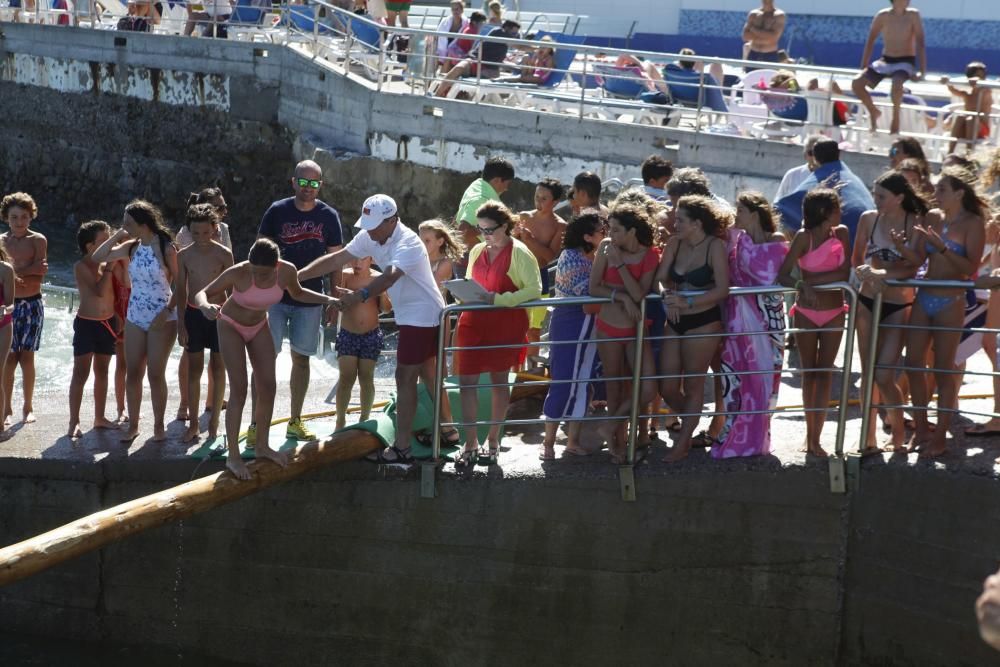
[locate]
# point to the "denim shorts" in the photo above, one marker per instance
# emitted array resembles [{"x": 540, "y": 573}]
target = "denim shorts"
[{"x": 300, "y": 324}]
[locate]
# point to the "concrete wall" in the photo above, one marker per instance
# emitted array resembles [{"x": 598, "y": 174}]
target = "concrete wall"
[{"x": 736, "y": 567}]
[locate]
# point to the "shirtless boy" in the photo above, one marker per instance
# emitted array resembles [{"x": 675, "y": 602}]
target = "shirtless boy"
[
  {"x": 977, "y": 101},
  {"x": 198, "y": 265},
  {"x": 762, "y": 31},
  {"x": 94, "y": 334},
  {"x": 27, "y": 252},
  {"x": 359, "y": 341},
  {"x": 542, "y": 231},
  {"x": 902, "y": 33}
]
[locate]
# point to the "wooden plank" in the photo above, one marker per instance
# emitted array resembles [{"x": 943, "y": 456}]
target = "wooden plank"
[{"x": 97, "y": 530}]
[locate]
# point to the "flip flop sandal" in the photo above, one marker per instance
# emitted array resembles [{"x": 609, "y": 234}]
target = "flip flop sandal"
[
  {"x": 448, "y": 438},
  {"x": 703, "y": 439},
  {"x": 402, "y": 456},
  {"x": 488, "y": 457},
  {"x": 980, "y": 431},
  {"x": 466, "y": 459}
]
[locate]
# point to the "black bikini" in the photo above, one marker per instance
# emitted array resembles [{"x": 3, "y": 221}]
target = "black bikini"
[
  {"x": 699, "y": 278},
  {"x": 886, "y": 255}
]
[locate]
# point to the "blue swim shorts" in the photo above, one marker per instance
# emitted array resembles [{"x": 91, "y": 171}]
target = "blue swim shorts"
[
  {"x": 29, "y": 316},
  {"x": 363, "y": 346}
]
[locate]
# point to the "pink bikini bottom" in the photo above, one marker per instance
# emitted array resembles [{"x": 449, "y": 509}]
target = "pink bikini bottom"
[{"x": 818, "y": 317}]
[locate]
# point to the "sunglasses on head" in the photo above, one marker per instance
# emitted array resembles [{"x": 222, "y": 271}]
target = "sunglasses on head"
[
  {"x": 893, "y": 152},
  {"x": 308, "y": 183}
]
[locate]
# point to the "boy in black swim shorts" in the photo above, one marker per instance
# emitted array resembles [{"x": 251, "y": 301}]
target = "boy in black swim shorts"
[
  {"x": 94, "y": 327},
  {"x": 198, "y": 265},
  {"x": 359, "y": 341}
]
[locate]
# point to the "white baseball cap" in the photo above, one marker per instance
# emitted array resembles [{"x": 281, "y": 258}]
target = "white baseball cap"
[{"x": 375, "y": 211}]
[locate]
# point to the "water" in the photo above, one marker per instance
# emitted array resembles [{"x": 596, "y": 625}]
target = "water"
[{"x": 54, "y": 362}]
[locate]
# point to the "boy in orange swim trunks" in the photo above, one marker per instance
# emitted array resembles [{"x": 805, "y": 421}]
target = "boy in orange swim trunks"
[{"x": 976, "y": 100}]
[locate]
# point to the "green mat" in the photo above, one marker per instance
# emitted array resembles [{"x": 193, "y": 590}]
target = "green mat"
[{"x": 382, "y": 425}]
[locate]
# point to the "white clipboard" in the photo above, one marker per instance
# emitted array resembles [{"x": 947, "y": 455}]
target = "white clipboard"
[{"x": 467, "y": 291}]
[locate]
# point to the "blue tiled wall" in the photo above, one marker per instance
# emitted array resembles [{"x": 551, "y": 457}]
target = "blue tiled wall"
[{"x": 833, "y": 40}]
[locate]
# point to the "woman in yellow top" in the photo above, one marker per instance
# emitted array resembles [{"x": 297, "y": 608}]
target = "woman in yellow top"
[{"x": 507, "y": 269}]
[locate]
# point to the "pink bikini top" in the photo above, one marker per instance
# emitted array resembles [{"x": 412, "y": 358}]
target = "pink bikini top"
[
  {"x": 258, "y": 298},
  {"x": 827, "y": 257}
]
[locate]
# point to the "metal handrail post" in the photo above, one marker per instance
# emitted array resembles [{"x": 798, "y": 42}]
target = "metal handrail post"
[
  {"x": 867, "y": 389},
  {"x": 383, "y": 46},
  {"x": 626, "y": 472},
  {"x": 701, "y": 99},
  {"x": 479, "y": 69},
  {"x": 583, "y": 84},
  {"x": 429, "y": 469},
  {"x": 838, "y": 483}
]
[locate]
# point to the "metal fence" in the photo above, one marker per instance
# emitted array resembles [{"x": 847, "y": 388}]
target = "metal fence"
[
  {"x": 626, "y": 470},
  {"x": 870, "y": 366},
  {"x": 584, "y": 82}
]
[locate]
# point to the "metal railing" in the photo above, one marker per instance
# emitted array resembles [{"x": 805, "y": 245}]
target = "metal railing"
[
  {"x": 626, "y": 470},
  {"x": 870, "y": 365},
  {"x": 329, "y": 32}
]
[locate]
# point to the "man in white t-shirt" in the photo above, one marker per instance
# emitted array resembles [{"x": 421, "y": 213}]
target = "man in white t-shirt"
[
  {"x": 796, "y": 176},
  {"x": 417, "y": 304}
]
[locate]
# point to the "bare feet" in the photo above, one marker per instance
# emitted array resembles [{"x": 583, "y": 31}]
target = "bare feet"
[
  {"x": 236, "y": 466},
  {"x": 74, "y": 432},
  {"x": 8, "y": 419},
  {"x": 213, "y": 433},
  {"x": 182, "y": 414},
  {"x": 548, "y": 452},
  {"x": 875, "y": 116},
  {"x": 122, "y": 418},
  {"x": 677, "y": 453},
  {"x": 819, "y": 452},
  {"x": 606, "y": 430},
  {"x": 29, "y": 416},
  {"x": 191, "y": 434},
  {"x": 159, "y": 433},
  {"x": 281, "y": 458},
  {"x": 919, "y": 440},
  {"x": 101, "y": 422},
  {"x": 577, "y": 450},
  {"x": 938, "y": 446},
  {"x": 130, "y": 435}
]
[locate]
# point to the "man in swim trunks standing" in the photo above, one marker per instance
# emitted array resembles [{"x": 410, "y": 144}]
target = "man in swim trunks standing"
[
  {"x": 762, "y": 31},
  {"x": 902, "y": 33},
  {"x": 27, "y": 250}
]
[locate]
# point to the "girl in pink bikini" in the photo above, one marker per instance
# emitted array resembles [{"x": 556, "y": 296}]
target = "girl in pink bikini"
[
  {"x": 623, "y": 270},
  {"x": 255, "y": 286},
  {"x": 820, "y": 249}
]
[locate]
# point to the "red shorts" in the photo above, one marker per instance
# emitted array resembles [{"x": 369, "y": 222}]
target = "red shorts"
[{"x": 416, "y": 344}]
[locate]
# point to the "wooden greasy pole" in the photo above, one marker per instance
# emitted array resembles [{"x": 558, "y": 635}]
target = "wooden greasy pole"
[{"x": 93, "y": 532}]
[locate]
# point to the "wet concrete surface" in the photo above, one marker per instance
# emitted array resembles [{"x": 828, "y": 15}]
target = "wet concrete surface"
[{"x": 46, "y": 438}]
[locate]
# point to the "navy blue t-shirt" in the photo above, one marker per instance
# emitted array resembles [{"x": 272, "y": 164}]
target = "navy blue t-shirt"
[{"x": 302, "y": 236}]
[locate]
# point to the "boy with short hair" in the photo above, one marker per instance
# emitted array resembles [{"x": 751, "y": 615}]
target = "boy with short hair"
[
  {"x": 27, "y": 250},
  {"x": 94, "y": 334},
  {"x": 976, "y": 100},
  {"x": 198, "y": 265},
  {"x": 359, "y": 341}
]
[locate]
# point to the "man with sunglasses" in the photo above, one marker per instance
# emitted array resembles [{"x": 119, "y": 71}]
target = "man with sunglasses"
[{"x": 305, "y": 228}]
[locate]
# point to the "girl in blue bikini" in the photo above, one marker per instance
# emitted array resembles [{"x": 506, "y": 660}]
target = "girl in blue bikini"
[{"x": 953, "y": 250}]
